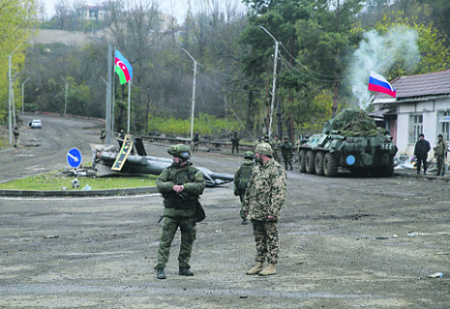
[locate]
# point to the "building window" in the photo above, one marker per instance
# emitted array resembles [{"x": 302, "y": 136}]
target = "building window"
[
  {"x": 444, "y": 124},
  {"x": 416, "y": 128}
]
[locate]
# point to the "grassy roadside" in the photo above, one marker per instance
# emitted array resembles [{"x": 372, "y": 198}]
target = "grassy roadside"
[{"x": 54, "y": 181}]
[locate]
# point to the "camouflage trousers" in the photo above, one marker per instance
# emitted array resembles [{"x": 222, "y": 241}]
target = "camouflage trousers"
[
  {"x": 266, "y": 237},
  {"x": 188, "y": 234},
  {"x": 241, "y": 197},
  {"x": 440, "y": 165},
  {"x": 287, "y": 161}
]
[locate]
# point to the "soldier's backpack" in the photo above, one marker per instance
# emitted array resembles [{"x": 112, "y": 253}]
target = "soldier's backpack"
[{"x": 244, "y": 179}]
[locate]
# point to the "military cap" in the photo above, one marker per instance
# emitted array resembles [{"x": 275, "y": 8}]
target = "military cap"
[
  {"x": 264, "y": 149},
  {"x": 180, "y": 151},
  {"x": 249, "y": 155}
]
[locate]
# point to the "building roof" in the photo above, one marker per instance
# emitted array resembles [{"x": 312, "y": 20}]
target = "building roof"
[{"x": 414, "y": 86}]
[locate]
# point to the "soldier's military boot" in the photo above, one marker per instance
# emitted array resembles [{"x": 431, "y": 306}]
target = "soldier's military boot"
[
  {"x": 255, "y": 269},
  {"x": 268, "y": 270},
  {"x": 160, "y": 274},
  {"x": 185, "y": 272}
]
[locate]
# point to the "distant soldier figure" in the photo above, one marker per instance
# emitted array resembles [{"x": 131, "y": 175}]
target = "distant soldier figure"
[
  {"x": 121, "y": 134},
  {"x": 264, "y": 198},
  {"x": 440, "y": 152},
  {"x": 258, "y": 141},
  {"x": 16, "y": 136},
  {"x": 276, "y": 149},
  {"x": 235, "y": 143},
  {"x": 267, "y": 140},
  {"x": 180, "y": 184},
  {"x": 241, "y": 180},
  {"x": 196, "y": 141},
  {"x": 103, "y": 136},
  {"x": 286, "y": 151},
  {"x": 421, "y": 153}
]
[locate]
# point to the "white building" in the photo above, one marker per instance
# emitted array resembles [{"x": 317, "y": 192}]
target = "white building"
[
  {"x": 93, "y": 13},
  {"x": 422, "y": 105}
]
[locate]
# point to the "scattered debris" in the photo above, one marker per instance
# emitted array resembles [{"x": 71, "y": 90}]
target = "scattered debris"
[
  {"x": 86, "y": 188},
  {"x": 436, "y": 275}
]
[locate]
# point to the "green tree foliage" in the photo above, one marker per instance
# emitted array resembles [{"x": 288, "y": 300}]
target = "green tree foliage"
[{"x": 17, "y": 21}]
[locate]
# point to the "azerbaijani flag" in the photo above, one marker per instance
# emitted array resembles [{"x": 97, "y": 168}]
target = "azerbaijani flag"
[
  {"x": 123, "y": 68},
  {"x": 378, "y": 83}
]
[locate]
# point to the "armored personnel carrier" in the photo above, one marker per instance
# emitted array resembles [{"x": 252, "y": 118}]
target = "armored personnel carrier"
[{"x": 351, "y": 140}]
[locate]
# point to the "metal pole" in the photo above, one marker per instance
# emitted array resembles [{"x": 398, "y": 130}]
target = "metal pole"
[
  {"x": 274, "y": 82},
  {"x": 23, "y": 99},
  {"x": 108, "y": 97},
  {"x": 10, "y": 93},
  {"x": 193, "y": 94},
  {"x": 129, "y": 106},
  {"x": 9, "y": 100},
  {"x": 65, "y": 100}
]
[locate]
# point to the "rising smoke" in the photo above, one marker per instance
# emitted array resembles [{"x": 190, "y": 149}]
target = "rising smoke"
[{"x": 379, "y": 53}]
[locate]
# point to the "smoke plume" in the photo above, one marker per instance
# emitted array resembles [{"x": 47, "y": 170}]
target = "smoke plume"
[{"x": 379, "y": 53}]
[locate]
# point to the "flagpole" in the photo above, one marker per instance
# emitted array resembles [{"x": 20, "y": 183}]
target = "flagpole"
[
  {"x": 108, "y": 97},
  {"x": 129, "y": 104}
]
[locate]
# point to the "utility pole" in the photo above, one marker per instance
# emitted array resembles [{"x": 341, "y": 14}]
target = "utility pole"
[
  {"x": 193, "y": 94},
  {"x": 23, "y": 99},
  {"x": 274, "y": 82},
  {"x": 65, "y": 100},
  {"x": 10, "y": 93}
]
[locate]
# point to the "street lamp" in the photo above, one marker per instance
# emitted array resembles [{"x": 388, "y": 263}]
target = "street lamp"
[
  {"x": 193, "y": 94},
  {"x": 10, "y": 93},
  {"x": 274, "y": 82},
  {"x": 23, "y": 101}
]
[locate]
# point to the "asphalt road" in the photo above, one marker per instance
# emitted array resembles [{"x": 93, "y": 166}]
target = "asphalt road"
[{"x": 345, "y": 242}]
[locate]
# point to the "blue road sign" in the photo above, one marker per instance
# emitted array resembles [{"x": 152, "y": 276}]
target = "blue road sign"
[{"x": 74, "y": 157}]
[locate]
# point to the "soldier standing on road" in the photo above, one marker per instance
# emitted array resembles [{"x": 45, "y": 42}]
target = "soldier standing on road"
[
  {"x": 286, "y": 150},
  {"x": 16, "y": 136},
  {"x": 264, "y": 197},
  {"x": 440, "y": 152},
  {"x": 121, "y": 134},
  {"x": 196, "y": 141},
  {"x": 276, "y": 149},
  {"x": 103, "y": 136},
  {"x": 241, "y": 180},
  {"x": 421, "y": 153},
  {"x": 235, "y": 143},
  {"x": 180, "y": 184}
]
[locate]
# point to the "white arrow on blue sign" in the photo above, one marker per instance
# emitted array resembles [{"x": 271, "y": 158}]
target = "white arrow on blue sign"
[{"x": 74, "y": 157}]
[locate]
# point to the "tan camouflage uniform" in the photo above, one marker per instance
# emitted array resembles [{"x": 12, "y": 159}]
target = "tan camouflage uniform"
[
  {"x": 276, "y": 150},
  {"x": 265, "y": 195}
]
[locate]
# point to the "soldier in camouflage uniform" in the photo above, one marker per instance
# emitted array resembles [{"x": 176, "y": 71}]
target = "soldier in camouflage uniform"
[
  {"x": 241, "y": 180},
  {"x": 286, "y": 151},
  {"x": 276, "y": 147},
  {"x": 180, "y": 184},
  {"x": 264, "y": 197}
]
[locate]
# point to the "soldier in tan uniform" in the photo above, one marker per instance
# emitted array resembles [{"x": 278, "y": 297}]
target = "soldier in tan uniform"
[
  {"x": 440, "y": 152},
  {"x": 264, "y": 198}
]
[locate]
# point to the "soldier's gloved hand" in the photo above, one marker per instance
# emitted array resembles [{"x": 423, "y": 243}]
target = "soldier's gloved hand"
[
  {"x": 178, "y": 188},
  {"x": 246, "y": 213}
]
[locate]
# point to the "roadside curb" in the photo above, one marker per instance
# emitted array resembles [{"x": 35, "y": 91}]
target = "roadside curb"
[{"x": 80, "y": 193}]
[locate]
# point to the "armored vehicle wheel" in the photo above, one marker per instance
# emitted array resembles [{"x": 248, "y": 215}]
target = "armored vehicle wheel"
[
  {"x": 318, "y": 162},
  {"x": 310, "y": 156},
  {"x": 330, "y": 165},
  {"x": 302, "y": 161}
]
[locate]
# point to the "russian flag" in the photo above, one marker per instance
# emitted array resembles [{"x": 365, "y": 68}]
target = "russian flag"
[{"x": 378, "y": 83}]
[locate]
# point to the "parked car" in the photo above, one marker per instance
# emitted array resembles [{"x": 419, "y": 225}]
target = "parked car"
[{"x": 36, "y": 124}]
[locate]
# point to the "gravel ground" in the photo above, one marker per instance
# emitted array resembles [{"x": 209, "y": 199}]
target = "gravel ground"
[{"x": 346, "y": 242}]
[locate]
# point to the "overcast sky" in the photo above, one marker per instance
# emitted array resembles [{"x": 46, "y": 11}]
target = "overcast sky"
[{"x": 177, "y": 8}]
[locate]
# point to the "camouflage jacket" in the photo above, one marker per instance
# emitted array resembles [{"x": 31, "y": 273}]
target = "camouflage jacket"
[
  {"x": 286, "y": 150},
  {"x": 183, "y": 204},
  {"x": 276, "y": 146},
  {"x": 266, "y": 191},
  {"x": 242, "y": 176},
  {"x": 441, "y": 148}
]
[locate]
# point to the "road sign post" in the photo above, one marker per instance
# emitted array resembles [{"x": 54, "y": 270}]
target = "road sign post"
[{"x": 74, "y": 157}]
